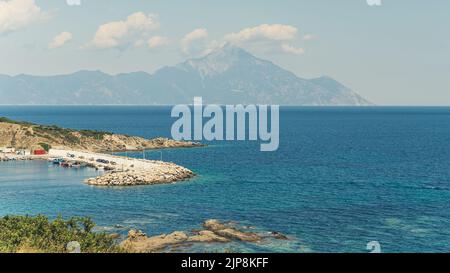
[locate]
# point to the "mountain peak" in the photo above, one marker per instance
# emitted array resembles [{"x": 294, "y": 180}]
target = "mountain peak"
[
  {"x": 220, "y": 60},
  {"x": 229, "y": 50},
  {"x": 89, "y": 72}
]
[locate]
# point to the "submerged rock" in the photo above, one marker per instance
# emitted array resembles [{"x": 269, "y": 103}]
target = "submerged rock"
[
  {"x": 278, "y": 235},
  {"x": 207, "y": 236}
]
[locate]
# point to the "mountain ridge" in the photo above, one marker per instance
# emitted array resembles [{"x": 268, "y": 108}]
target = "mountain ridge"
[{"x": 228, "y": 75}]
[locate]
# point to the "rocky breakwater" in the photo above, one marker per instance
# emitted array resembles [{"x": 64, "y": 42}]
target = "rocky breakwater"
[{"x": 155, "y": 173}]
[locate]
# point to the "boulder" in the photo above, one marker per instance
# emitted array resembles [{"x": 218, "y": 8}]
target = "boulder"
[
  {"x": 114, "y": 236},
  {"x": 140, "y": 243},
  {"x": 230, "y": 232}
]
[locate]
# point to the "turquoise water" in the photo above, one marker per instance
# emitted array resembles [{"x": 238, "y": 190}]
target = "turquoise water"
[{"x": 341, "y": 178}]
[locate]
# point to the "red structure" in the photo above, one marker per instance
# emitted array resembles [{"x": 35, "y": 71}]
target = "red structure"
[{"x": 39, "y": 152}]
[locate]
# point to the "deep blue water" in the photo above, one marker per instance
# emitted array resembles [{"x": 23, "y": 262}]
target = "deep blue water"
[{"x": 342, "y": 177}]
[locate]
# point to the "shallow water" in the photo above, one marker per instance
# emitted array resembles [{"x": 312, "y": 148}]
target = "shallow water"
[{"x": 341, "y": 178}]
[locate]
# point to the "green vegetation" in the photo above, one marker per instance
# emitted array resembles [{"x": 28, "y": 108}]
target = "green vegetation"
[
  {"x": 39, "y": 234},
  {"x": 65, "y": 134},
  {"x": 99, "y": 135},
  {"x": 68, "y": 135},
  {"x": 7, "y": 120},
  {"x": 45, "y": 146}
]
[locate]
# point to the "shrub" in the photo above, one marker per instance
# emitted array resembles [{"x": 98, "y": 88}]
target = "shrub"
[
  {"x": 7, "y": 120},
  {"x": 39, "y": 234},
  {"x": 45, "y": 146},
  {"x": 99, "y": 135}
]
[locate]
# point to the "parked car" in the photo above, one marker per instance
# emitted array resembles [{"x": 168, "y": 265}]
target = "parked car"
[{"x": 102, "y": 161}]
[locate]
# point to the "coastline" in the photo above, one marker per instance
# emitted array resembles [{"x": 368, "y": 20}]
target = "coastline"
[
  {"x": 80, "y": 148},
  {"x": 79, "y": 235},
  {"x": 119, "y": 170}
]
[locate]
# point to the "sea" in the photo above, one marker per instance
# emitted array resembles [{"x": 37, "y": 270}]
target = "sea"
[{"x": 341, "y": 178}]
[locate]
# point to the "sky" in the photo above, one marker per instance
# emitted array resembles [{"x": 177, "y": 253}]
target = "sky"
[{"x": 396, "y": 52}]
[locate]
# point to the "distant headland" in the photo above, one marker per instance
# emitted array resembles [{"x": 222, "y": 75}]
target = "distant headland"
[{"x": 30, "y": 136}]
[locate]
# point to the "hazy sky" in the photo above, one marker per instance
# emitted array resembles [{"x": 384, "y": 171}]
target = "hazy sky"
[{"x": 394, "y": 54}]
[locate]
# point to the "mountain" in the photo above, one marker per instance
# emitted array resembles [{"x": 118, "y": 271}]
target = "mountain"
[{"x": 229, "y": 75}]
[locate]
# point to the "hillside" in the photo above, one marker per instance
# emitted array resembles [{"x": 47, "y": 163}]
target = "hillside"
[{"x": 23, "y": 135}]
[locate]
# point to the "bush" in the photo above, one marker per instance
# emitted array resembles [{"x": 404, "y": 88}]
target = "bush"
[
  {"x": 98, "y": 135},
  {"x": 45, "y": 146},
  {"x": 66, "y": 135},
  {"x": 39, "y": 234},
  {"x": 7, "y": 120},
  {"x": 52, "y": 131}
]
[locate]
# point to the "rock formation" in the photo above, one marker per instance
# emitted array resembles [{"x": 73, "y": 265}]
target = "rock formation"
[
  {"x": 215, "y": 232},
  {"x": 230, "y": 232}
]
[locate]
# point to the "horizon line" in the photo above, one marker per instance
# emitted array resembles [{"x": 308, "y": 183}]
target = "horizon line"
[{"x": 190, "y": 104}]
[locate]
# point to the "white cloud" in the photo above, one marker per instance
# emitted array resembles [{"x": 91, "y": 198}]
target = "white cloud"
[
  {"x": 310, "y": 37},
  {"x": 18, "y": 14},
  {"x": 275, "y": 32},
  {"x": 291, "y": 49},
  {"x": 73, "y": 2},
  {"x": 157, "y": 41},
  {"x": 267, "y": 38},
  {"x": 60, "y": 40},
  {"x": 122, "y": 34},
  {"x": 194, "y": 41}
]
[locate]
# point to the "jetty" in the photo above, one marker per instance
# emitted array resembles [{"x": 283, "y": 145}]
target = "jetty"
[
  {"x": 124, "y": 171},
  {"x": 117, "y": 170}
]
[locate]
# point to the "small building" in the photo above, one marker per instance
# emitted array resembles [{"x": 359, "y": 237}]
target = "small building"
[
  {"x": 23, "y": 152},
  {"x": 7, "y": 150},
  {"x": 39, "y": 152}
]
